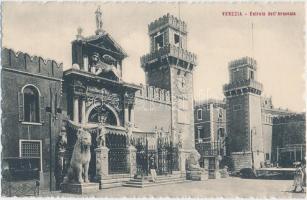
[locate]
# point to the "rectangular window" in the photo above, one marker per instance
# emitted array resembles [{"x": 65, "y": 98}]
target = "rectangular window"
[
  {"x": 30, "y": 149},
  {"x": 200, "y": 114},
  {"x": 159, "y": 43},
  {"x": 237, "y": 107},
  {"x": 176, "y": 39},
  {"x": 267, "y": 156},
  {"x": 251, "y": 75}
]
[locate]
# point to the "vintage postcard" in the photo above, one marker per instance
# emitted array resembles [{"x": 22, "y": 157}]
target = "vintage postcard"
[{"x": 163, "y": 99}]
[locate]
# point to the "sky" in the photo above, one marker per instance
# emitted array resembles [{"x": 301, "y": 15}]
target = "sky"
[{"x": 276, "y": 42}]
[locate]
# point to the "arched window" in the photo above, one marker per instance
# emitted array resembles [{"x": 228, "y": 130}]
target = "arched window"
[{"x": 31, "y": 105}]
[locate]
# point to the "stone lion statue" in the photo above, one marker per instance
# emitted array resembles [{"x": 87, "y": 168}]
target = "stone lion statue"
[
  {"x": 193, "y": 161},
  {"x": 81, "y": 156}
]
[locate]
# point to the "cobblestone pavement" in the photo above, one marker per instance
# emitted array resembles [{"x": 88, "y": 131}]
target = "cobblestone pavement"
[{"x": 229, "y": 187}]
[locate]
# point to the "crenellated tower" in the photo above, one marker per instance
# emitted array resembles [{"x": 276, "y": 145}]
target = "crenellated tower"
[
  {"x": 169, "y": 66},
  {"x": 243, "y": 100}
]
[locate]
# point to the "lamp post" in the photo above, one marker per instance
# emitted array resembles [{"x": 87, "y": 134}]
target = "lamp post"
[{"x": 52, "y": 117}]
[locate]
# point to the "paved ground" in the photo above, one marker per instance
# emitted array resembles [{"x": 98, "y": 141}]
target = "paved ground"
[{"x": 229, "y": 187}]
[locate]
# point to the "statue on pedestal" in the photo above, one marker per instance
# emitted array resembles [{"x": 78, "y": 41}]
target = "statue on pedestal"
[
  {"x": 194, "y": 171},
  {"x": 99, "y": 23},
  {"x": 60, "y": 163},
  {"x": 129, "y": 128},
  {"x": 193, "y": 161},
  {"x": 81, "y": 156},
  {"x": 101, "y": 137}
]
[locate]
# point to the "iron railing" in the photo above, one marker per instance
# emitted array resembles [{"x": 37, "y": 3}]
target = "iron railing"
[{"x": 20, "y": 188}]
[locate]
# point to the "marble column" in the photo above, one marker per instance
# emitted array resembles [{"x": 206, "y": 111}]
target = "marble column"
[
  {"x": 76, "y": 110},
  {"x": 132, "y": 115},
  {"x": 83, "y": 118},
  {"x": 126, "y": 114},
  {"x": 85, "y": 63}
]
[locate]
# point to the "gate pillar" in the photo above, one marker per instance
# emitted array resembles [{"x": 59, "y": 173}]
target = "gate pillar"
[
  {"x": 102, "y": 162},
  {"x": 182, "y": 154},
  {"x": 131, "y": 160}
]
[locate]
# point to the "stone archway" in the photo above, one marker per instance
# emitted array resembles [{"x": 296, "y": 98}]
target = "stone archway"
[{"x": 98, "y": 112}]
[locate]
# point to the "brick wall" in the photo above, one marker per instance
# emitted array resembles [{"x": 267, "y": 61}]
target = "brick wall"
[{"x": 19, "y": 70}]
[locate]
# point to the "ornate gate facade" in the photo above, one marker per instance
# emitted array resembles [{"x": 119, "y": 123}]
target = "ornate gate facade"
[
  {"x": 165, "y": 156},
  {"x": 117, "y": 154}
]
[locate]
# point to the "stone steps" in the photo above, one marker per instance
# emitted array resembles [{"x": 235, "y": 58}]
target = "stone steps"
[
  {"x": 161, "y": 180},
  {"x": 113, "y": 181}
]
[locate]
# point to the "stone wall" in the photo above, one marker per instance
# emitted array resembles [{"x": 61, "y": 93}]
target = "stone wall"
[
  {"x": 152, "y": 109},
  {"x": 241, "y": 160},
  {"x": 237, "y": 115}
]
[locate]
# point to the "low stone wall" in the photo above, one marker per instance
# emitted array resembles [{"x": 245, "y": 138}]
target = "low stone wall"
[{"x": 241, "y": 160}]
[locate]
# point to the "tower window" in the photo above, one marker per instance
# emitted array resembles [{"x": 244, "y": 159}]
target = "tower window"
[
  {"x": 176, "y": 39},
  {"x": 199, "y": 114},
  {"x": 251, "y": 75},
  {"x": 159, "y": 43},
  {"x": 236, "y": 107},
  {"x": 267, "y": 156}
]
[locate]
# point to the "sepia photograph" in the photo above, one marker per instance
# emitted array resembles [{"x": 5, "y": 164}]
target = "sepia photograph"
[{"x": 163, "y": 99}]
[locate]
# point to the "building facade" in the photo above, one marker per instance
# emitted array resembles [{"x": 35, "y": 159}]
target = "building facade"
[
  {"x": 31, "y": 110},
  {"x": 253, "y": 126},
  {"x": 128, "y": 123},
  {"x": 210, "y": 133}
]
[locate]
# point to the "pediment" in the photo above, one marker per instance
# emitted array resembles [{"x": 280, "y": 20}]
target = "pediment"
[{"x": 107, "y": 43}]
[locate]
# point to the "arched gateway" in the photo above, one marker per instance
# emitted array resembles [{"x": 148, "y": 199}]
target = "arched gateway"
[{"x": 101, "y": 104}]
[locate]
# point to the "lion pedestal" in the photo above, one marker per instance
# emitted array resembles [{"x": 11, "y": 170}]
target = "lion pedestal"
[
  {"x": 194, "y": 171},
  {"x": 80, "y": 188}
]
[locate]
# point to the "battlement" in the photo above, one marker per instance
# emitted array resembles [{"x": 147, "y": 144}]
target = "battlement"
[
  {"x": 154, "y": 94},
  {"x": 167, "y": 20},
  {"x": 215, "y": 102},
  {"x": 242, "y": 62},
  {"x": 242, "y": 83},
  {"x": 31, "y": 64},
  {"x": 295, "y": 117},
  {"x": 169, "y": 50}
]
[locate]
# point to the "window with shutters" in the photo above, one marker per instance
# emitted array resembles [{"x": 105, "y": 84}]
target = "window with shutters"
[{"x": 31, "y": 105}]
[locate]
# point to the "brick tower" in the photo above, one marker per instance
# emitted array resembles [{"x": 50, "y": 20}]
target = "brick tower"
[
  {"x": 243, "y": 100},
  {"x": 170, "y": 66}
]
